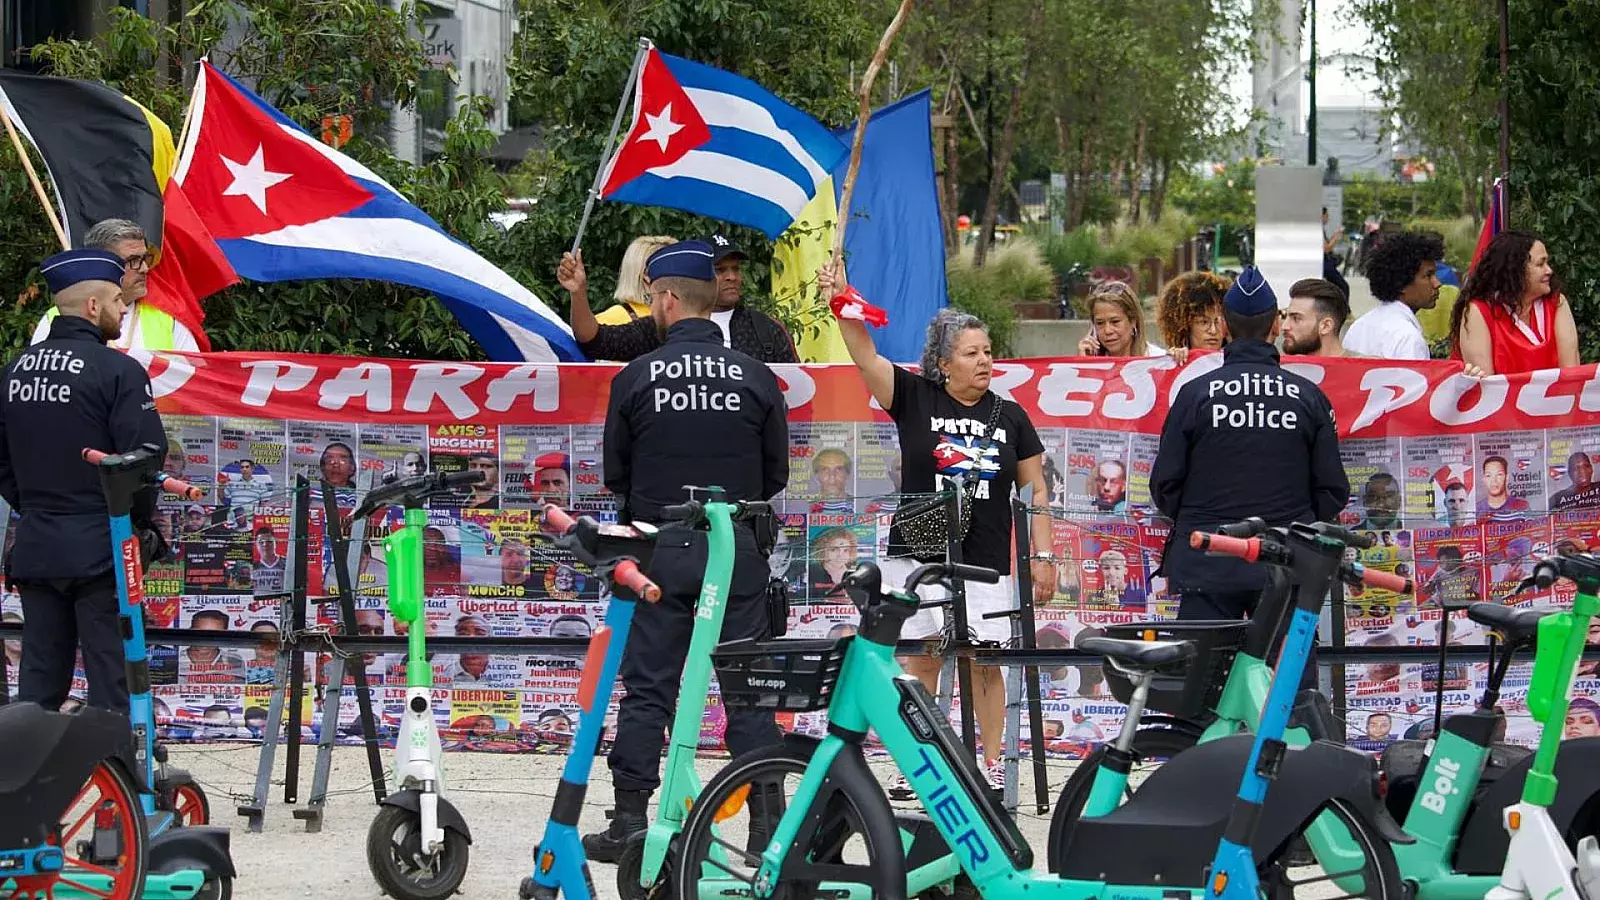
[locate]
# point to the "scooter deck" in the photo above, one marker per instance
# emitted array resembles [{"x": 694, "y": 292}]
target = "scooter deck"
[{"x": 183, "y": 885}]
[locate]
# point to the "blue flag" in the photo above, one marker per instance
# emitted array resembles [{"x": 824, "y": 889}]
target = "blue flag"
[{"x": 894, "y": 243}]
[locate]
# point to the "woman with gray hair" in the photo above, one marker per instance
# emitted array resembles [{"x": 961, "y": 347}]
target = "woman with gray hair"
[{"x": 950, "y": 424}]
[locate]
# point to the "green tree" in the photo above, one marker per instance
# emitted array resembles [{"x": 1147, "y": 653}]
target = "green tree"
[
  {"x": 1554, "y": 88},
  {"x": 347, "y": 57},
  {"x": 1436, "y": 67}
]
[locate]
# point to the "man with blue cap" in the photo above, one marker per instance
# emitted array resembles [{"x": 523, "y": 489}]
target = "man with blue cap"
[
  {"x": 65, "y": 393},
  {"x": 691, "y": 412},
  {"x": 1248, "y": 439}
]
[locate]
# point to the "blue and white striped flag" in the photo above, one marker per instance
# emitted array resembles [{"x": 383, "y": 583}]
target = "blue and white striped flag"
[{"x": 710, "y": 142}]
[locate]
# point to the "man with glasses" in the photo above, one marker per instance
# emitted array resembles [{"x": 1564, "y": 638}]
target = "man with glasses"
[{"x": 143, "y": 326}]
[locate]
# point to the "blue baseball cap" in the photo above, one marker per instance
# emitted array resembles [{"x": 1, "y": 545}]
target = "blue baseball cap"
[
  {"x": 1250, "y": 295},
  {"x": 685, "y": 259},
  {"x": 77, "y": 266}
]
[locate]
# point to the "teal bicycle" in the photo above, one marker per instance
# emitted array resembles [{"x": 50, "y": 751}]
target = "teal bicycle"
[
  {"x": 835, "y": 836},
  {"x": 1459, "y": 844}
]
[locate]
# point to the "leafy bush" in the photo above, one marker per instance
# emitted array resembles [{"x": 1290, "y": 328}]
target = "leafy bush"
[
  {"x": 1079, "y": 247},
  {"x": 1015, "y": 273},
  {"x": 1460, "y": 238}
]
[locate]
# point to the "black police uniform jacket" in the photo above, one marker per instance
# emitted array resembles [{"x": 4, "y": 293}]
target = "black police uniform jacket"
[
  {"x": 694, "y": 412},
  {"x": 1249, "y": 439},
  {"x": 65, "y": 393}
]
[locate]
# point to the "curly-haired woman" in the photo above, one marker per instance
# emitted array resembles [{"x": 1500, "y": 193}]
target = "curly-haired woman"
[
  {"x": 1511, "y": 315},
  {"x": 1189, "y": 312}
]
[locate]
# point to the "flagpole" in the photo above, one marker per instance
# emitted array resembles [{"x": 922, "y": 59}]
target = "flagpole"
[
  {"x": 616, "y": 124},
  {"x": 33, "y": 178},
  {"x": 188, "y": 114},
  {"x": 861, "y": 125}
]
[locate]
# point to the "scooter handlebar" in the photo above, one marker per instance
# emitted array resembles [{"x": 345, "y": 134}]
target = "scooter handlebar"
[
  {"x": 462, "y": 479},
  {"x": 555, "y": 520},
  {"x": 1356, "y": 573},
  {"x": 689, "y": 512},
  {"x": 178, "y": 488},
  {"x": 1347, "y": 537},
  {"x": 1254, "y": 526},
  {"x": 1247, "y": 549},
  {"x": 628, "y": 575},
  {"x": 165, "y": 482}
]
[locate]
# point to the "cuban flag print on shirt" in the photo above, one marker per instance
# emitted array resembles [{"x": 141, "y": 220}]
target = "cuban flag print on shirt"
[
  {"x": 964, "y": 455},
  {"x": 713, "y": 143},
  {"x": 282, "y": 206}
]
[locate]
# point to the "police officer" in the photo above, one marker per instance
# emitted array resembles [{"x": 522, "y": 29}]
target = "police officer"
[
  {"x": 691, "y": 412},
  {"x": 61, "y": 395},
  {"x": 1249, "y": 439}
]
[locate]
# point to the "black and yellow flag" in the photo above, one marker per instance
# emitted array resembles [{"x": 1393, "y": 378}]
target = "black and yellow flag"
[{"x": 107, "y": 156}]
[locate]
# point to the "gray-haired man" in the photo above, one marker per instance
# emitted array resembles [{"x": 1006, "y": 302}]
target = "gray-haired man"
[{"x": 143, "y": 326}]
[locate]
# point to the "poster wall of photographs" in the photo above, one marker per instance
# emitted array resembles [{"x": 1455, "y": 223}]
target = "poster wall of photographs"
[{"x": 1464, "y": 511}]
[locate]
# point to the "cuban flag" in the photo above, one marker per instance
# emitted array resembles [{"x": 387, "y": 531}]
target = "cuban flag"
[
  {"x": 709, "y": 142},
  {"x": 283, "y": 206}
]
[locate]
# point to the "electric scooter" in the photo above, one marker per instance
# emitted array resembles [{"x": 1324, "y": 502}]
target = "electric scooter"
[
  {"x": 1162, "y": 845},
  {"x": 60, "y": 768},
  {"x": 642, "y": 869},
  {"x": 1460, "y": 843},
  {"x": 185, "y": 861},
  {"x": 619, "y": 556},
  {"x": 1539, "y": 865},
  {"x": 418, "y": 844}
]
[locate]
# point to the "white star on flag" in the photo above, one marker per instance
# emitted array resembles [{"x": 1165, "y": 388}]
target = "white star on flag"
[
  {"x": 252, "y": 179},
  {"x": 662, "y": 128}
]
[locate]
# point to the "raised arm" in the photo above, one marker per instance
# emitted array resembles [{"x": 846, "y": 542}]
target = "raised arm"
[
  {"x": 876, "y": 371},
  {"x": 571, "y": 275}
]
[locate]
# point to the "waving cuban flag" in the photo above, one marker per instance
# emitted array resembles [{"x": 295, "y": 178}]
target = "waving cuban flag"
[
  {"x": 282, "y": 207},
  {"x": 713, "y": 143}
]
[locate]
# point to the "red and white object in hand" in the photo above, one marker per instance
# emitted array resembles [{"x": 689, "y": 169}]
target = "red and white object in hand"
[{"x": 849, "y": 304}]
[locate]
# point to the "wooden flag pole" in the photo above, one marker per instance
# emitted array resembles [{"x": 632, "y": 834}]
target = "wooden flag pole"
[
  {"x": 33, "y": 178},
  {"x": 865, "y": 96}
]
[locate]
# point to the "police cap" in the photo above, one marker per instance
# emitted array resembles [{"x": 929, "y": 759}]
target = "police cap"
[
  {"x": 685, "y": 259},
  {"x": 77, "y": 266},
  {"x": 1250, "y": 295}
]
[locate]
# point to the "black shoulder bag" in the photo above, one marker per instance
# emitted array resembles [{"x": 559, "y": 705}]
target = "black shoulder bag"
[{"x": 925, "y": 528}]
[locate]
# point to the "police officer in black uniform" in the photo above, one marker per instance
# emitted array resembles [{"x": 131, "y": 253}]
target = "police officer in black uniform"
[
  {"x": 1249, "y": 439},
  {"x": 691, "y": 412},
  {"x": 61, "y": 395}
]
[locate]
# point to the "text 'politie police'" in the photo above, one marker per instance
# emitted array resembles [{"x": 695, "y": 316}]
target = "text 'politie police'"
[{"x": 689, "y": 394}]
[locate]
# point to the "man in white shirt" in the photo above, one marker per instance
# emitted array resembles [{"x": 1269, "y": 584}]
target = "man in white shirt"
[
  {"x": 1402, "y": 270},
  {"x": 143, "y": 326}
]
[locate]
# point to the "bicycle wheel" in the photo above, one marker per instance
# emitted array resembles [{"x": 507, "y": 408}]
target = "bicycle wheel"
[
  {"x": 190, "y": 804},
  {"x": 1376, "y": 875},
  {"x": 103, "y": 840},
  {"x": 726, "y": 831},
  {"x": 1150, "y": 745}
]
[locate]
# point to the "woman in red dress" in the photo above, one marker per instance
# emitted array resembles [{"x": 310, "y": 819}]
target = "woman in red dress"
[{"x": 1511, "y": 315}]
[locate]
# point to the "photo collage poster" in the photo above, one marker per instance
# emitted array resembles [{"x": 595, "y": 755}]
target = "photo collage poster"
[{"x": 1464, "y": 515}]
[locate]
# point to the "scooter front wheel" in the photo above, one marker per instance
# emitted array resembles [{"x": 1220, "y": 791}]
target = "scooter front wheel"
[
  {"x": 190, "y": 805},
  {"x": 394, "y": 854},
  {"x": 630, "y": 866}
]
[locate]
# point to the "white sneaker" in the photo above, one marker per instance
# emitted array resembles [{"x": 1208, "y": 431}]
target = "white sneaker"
[
  {"x": 995, "y": 773},
  {"x": 900, "y": 788}
]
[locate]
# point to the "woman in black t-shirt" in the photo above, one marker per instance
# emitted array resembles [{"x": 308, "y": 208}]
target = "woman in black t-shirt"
[{"x": 943, "y": 418}]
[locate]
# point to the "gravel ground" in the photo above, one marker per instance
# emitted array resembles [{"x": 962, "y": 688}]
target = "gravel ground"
[{"x": 504, "y": 798}]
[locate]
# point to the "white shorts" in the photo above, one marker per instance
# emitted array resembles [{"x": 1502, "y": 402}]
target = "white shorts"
[{"x": 981, "y": 598}]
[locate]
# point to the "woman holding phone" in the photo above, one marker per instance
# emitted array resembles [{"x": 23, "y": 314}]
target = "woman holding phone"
[{"x": 1117, "y": 324}]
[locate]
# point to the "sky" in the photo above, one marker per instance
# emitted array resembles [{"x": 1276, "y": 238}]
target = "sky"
[{"x": 1336, "y": 33}]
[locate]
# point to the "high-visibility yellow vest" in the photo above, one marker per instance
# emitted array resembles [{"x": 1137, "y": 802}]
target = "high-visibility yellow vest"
[{"x": 155, "y": 328}]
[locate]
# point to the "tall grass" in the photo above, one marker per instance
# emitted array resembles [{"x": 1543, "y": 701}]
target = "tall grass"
[
  {"x": 1460, "y": 238},
  {"x": 1014, "y": 273}
]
